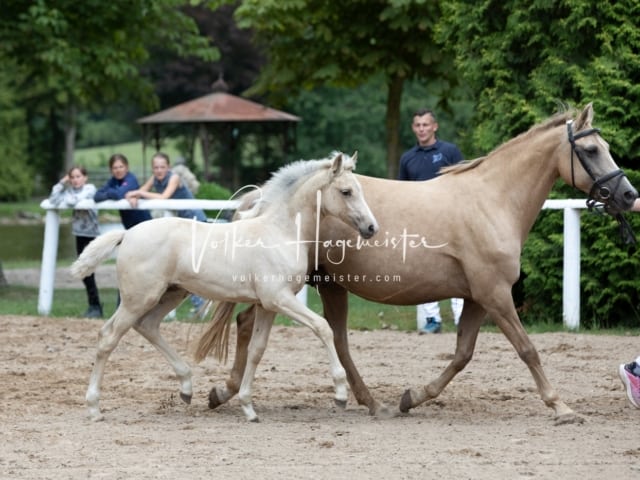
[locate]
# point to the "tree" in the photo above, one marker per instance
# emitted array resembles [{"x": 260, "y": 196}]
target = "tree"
[
  {"x": 87, "y": 54},
  {"x": 314, "y": 43},
  {"x": 177, "y": 79},
  {"x": 15, "y": 181},
  {"x": 524, "y": 59}
]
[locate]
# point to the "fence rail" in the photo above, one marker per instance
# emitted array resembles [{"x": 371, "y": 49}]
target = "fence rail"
[{"x": 571, "y": 254}]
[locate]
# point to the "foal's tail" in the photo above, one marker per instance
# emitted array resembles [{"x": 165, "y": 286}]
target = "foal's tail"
[
  {"x": 96, "y": 253},
  {"x": 216, "y": 337}
]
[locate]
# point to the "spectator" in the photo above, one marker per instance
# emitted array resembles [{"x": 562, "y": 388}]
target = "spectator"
[
  {"x": 116, "y": 188},
  {"x": 168, "y": 185},
  {"x": 72, "y": 188},
  {"x": 630, "y": 372},
  {"x": 423, "y": 162}
]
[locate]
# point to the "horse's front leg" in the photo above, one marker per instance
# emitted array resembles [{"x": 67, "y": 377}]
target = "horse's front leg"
[
  {"x": 506, "y": 317},
  {"x": 222, "y": 394},
  {"x": 335, "y": 303},
  {"x": 262, "y": 324},
  {"x": 289, "y": 305},
  {"x": 468, "y": 328}
]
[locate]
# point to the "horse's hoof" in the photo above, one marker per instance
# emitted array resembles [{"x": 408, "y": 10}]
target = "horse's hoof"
[
  {"x": 405, "y": 401},
  {"x": 185, "y": 398},
  {"x": 96, "y": 417},
  {"x": 254, "y": 420},
  {"x": 568, "y": 419},
  {"x": 340, "y": 403},
  {"x": 214, "y": 401}
]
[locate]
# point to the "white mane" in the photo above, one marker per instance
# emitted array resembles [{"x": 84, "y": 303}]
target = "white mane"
[{"x": 286, "y": 180}]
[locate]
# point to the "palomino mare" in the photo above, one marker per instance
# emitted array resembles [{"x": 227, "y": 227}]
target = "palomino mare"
[
  {"x": 468, "y": 246},
  {"x": 260, "y": 260}
]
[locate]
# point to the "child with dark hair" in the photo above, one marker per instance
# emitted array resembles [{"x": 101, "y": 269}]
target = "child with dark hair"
[{"x": 121, "y": 182}]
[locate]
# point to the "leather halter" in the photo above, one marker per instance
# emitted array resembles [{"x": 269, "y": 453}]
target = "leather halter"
[{"x": 598, "y": 193}]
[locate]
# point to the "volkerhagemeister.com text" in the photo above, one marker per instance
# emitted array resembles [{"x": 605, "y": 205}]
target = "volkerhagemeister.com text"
[{"x": 316, "y": 278}]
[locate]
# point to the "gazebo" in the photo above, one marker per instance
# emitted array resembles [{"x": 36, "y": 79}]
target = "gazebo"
[{"x": 221, "y": 121}]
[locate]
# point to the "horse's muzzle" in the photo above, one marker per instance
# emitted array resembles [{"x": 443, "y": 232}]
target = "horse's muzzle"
[{"x": 369, "y": 231}]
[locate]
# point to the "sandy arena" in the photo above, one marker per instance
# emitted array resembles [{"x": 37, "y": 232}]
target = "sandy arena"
[{"x": 488, "y": 424}]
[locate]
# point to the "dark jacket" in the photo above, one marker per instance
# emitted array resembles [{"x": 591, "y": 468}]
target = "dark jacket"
[{"x": 116, "y": 189}]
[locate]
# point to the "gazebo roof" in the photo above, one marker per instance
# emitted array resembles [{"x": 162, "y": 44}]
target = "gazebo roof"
[{"x": 218, "y": 107}]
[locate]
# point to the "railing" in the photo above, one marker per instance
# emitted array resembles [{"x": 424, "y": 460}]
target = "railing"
[
  {"x": 52, "y": 232},
  {"x": 571, "y": 259}
]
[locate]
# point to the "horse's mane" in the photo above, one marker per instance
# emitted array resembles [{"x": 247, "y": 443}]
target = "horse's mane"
[
  {"x": 286, "y": 180},
  {"x": 556, "y": 120}
]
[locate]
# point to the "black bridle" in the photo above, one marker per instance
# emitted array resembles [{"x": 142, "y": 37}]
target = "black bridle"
[
  {"x": 598, "y": 192},
  {"x": 599, "y": 195}
]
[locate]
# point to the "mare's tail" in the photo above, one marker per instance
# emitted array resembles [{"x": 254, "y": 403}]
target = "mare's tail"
[
  {"x": 216, "y": 336},
  {"x": 96, "y": 253}
]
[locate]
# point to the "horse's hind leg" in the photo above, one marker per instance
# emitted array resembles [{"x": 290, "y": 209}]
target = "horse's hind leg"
[
  {"x": 108, "y": 338},
  {"x": 468, "y": 328},
  {"x": 149, "y": 328},
  {"x": 220, "y": 395},
  {"x": 262, "y": 324},
  {"x": 335, "y": 305}
]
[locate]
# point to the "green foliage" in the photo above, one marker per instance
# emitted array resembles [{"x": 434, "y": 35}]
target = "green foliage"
[
  {"x": 86, "y": 55},
  {"x": 108, "y": 130},
  {"x": 89, "y": 53},
  {"x": 349, "y": 119},
  {"x": 314, "y": 43},
  {"x": 610, "y": 286},
  {"x": 213, "y": 191},
  {"x": 15, "y": 182},
  {"x": 524, "y": 59}
]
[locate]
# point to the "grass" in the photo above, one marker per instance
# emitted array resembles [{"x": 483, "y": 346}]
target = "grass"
[
  {"x": 94, "y": 158},
  {"x": 363, "y": 315},
  {"x": 20, "y": 300},
  {"x": 11, "y": 210}
]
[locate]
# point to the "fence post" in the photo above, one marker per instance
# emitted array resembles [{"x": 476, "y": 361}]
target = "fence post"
[
  {"x": 49, "y": 256},
  {"x": 571, "y": 269}
]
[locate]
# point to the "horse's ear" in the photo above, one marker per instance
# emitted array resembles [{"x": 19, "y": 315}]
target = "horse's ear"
[
  {"x": 585, "y": 118},
  {"x": 336, "y": 167},
  {"x": 354, "y": 159}
]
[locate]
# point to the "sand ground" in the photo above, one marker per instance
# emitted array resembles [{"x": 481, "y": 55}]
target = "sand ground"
[{"x": 489, "y": 423}]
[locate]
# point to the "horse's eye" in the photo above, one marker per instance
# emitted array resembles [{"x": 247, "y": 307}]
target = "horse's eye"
[
  {"x": 591, "y": 149},
  {"x": 346, "y": 192}
]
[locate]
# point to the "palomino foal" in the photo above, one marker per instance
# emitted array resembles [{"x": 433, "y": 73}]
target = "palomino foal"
[{"x": 260, "y": 260}]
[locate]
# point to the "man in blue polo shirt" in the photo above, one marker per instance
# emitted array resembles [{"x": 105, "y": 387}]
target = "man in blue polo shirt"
[{"x": 423, "y": 162}]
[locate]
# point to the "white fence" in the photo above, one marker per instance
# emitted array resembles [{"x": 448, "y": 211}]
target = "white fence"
[
  {"x": 52, "y": 233},
  {"x": 571, "y": 262}
]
